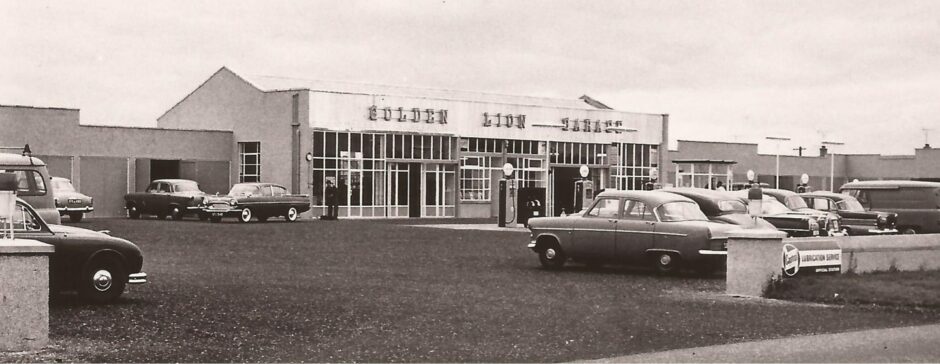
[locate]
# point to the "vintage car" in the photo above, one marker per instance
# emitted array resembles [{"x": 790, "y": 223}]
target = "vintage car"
[
  {"x": 69, "y": 201},
  {"x": 95, "y": 264},
  {"x": 721, "y": 207},
  {"x": 917, "y": 203},
  {"x": 829, "y": 222},
  {"x": 173, "y": 197},
  {"x": 737, "y": 186},
  {"x": 855, "y": 219},
  {"x": 256, "y": 200},
  {"x": 663, "y": 229},
  {"x": 795, "y": 224},
  {"x": 32, "y": 178}
]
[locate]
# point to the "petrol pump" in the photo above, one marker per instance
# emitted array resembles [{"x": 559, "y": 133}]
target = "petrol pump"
[
  {"x": 583, "y": 190},
  {"x": 507, "y": 198}
]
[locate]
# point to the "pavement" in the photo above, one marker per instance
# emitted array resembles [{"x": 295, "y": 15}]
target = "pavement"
[
  {"x": 485, "y": 227},
  {"x": 902, "y": 344}
]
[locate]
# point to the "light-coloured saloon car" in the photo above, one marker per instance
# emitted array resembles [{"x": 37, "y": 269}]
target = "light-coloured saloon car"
[{"x": 661, "y": 229}]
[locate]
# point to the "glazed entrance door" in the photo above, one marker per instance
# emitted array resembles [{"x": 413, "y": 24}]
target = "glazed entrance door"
[{"x": 438, "y": 186}]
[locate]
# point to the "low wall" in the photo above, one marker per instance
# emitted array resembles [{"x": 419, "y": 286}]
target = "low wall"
[{"x": 864, "y": 254}]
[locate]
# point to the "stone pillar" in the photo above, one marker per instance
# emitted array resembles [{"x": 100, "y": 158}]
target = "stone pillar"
[
  {"x": 24, "y": 294},
  {"x": 755, "y": 259}
]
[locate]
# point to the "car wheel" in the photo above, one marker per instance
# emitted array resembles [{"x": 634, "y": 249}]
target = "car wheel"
[
  {"x": 291, "y": 214},
  {"x": 76, "y": 216},
  {"x": 908, "y": 230},
  {"x": 666, "y": 262},
  {"x": 133, "y": 213},
  {"x": 245, "y": 216},
  {"x": 103, "y": 280},
  {"x": 552, "y": 257},
  {"x": 215, "y": 218},
  {"x": 176, "y": 213}
]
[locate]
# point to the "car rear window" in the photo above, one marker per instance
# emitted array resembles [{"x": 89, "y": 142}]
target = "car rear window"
[{"x": 28, "y": 182}]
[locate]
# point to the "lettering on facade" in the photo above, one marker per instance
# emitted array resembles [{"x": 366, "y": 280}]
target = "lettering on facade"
[
  {"x": 592, "y": 126},
  {"x": 501, "y": 120},
  {"x": 414, "y": 115}
]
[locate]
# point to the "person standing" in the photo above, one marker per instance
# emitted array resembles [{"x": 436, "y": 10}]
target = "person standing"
[
  {"x": 720, "y": 186},
  {"x": 330, "y": 197}
]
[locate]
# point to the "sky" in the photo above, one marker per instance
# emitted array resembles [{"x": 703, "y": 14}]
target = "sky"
[{"x": 863, "y": 73}]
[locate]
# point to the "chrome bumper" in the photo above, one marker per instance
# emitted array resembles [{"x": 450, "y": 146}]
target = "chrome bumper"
[
  {"x": 532, "y": 244},
  {"x": 75, "y": 209},
  {"x": 713, "y": 252},
  {"x": 137, "y": 278},
  {"x": 885, "y": 231}
]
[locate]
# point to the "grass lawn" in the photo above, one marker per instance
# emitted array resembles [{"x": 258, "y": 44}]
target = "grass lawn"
[
  {"x": 383, "y": 291},
  {"x": 892, "y": 289}
]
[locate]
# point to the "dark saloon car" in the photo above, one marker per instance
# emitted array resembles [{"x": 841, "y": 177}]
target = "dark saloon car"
[
  {"x": 258, "y": 200},
  {"x": 95, "y": 264},
  {"x": 69, "y": 201},
  {"x": 655, "y": 228},
  {"x": 855, "y": 219},
  {"x": 166, "y": 197},
  {"x": 795, "y": 224},
  {"x": 721, "y": 207},
  {"x": 830, "y": 224}
]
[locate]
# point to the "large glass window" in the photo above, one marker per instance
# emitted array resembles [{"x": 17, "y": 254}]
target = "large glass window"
[
  {"x": 475, "y": 178},
  {"x": 633, "y": 164},
  {"x": 355, "y": 164},
  {"x": 249, "y": 156}
]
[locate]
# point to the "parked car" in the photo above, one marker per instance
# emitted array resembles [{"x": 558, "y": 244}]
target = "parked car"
[
  {"x": 855, "y": 219},
  {"x": 794, "y": 223},
  {"x": 722, "y": 207},
  {"x": 167, "y": 197},
  {"x": 664, "y": 229},
  {"x": 95, "y": 264},
  {"x": 69, "y": 201},
  {"x": 917, "y": 203},
  {"x": 737, "y": 186},
  {"x": 32, "y": 178},
  {"x": 830, "y": 223},
  {"x": 256, "y": 200}
]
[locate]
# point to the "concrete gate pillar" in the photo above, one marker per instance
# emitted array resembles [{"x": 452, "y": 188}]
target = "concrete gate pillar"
[
  {"x": 755, "y": 259},
  {"x": 24, "y": 294}
]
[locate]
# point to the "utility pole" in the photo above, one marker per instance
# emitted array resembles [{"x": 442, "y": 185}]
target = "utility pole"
[
  {"x": 926, "y": 140},
  {"x": 799, "y": 150}
]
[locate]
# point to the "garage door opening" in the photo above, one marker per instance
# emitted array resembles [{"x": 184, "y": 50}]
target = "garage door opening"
[{"x": 160, "y": 169}]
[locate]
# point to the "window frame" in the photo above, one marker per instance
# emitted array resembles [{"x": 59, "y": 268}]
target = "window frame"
[{"x": 618, "y": 214}]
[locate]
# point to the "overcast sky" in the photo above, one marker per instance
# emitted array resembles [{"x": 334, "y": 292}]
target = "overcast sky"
[{"x": 866, "y": 73}]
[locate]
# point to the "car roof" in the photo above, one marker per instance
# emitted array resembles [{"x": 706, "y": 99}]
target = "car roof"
[
  {"x": 59, "y": 178},
  {"x": 890, "y": 184},
  {"x": 777, "y": 192},
  {"x": 173, "y": 180},
  {"x": 832, "y": 195},
  {"x": 653, "y": 197},
  {"x": 10, "y": 159},
  {"x": 705, "y": 198}
]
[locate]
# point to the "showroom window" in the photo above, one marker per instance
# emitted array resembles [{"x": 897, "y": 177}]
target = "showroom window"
[
  {"x": 475, "y": 174},
  {"x": 635, "y": 161},
  {"x": 249, "y": 156}
]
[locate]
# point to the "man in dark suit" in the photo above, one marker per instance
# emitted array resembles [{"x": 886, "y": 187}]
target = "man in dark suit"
[{"x": 330, "y": 197}]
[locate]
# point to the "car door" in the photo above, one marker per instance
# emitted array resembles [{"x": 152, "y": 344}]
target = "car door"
[
  {"x": 279, "y": 201},
  {"x": 635, "y": 231},
  {"x": 26, "y": 225},
  {"x": 594, "y": 233}
]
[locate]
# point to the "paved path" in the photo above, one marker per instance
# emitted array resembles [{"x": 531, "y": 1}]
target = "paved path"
[
  {"x": 904, "y": 344},
  {"x": 488, "y": 227}
]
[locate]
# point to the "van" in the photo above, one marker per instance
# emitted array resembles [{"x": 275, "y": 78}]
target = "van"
[
  {"x": 32, "y": 184},
  {"x": 917, "y": 203}
]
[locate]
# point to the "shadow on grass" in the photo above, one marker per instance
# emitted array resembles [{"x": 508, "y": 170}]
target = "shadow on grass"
[{"x": 890, "y": 289}]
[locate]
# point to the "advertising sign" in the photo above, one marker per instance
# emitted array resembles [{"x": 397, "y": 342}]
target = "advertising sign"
[{"x": 816, "y": 256}]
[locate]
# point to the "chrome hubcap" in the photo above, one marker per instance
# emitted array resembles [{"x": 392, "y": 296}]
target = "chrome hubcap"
[
  {"x": 550, "y": 253},
  {"x": 665, "y": 259},
  {"x": 292, "y": 214},
  {"x": 102, "y": 280},
  {"x": 246, "y": 215}
]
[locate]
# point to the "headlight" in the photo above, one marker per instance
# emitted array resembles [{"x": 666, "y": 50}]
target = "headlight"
[
  {"x": 233, "y": 202},
  {"x": 813, "y": 225},
  {"x": 882, "y": 222}
]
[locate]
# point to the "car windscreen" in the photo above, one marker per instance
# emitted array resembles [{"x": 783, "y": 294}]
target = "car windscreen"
[
  {"x": 795, "y": 202},
  {"x": 680, "y": 211},
  {"x": 850, "y": 204},
  {"x": 186, "y": 187},
  {"x": 732, "y": 206},
  {"x": 243, "y": 190},
  {"x": 62, "y": 185},
  {"x": 771, "y": 206}
]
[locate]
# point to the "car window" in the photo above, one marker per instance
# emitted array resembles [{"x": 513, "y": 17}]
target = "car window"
[
  {"x": 243, "y": 190},
  {"x": 680, "y": 211},
  {"x": 28, "y": 182},
  {"x": 605, "y": 207},
  {"x": 279, "y": 191},
  {"x": 163, "y": 187},
  {"x": 266, "y": 191},
  {"x": 795, "y": 202},
  {"x": 637, "y": 210},
  {"x": 820, "y": 203},
  {"x": 153, "y": 188},
  {"x": 850, "y": 204},
  {"x": 24, "y": 220},
  {"x": 187, "y": 186}
]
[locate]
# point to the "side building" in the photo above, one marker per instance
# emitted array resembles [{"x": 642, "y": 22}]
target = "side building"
[{"x": 408, "y": 152}]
